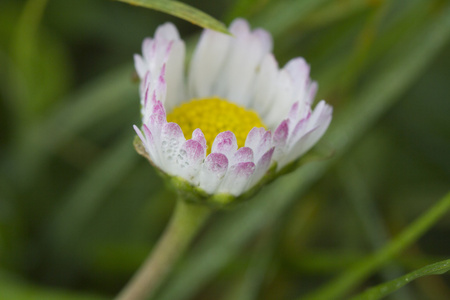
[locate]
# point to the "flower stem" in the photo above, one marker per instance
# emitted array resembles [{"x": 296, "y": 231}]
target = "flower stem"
[{"x": 186, "y": 221}]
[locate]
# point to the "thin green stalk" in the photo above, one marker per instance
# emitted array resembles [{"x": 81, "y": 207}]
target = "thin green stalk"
[
  {"x": 337, "y": 288},
  {"x": 184, "y": 225}
]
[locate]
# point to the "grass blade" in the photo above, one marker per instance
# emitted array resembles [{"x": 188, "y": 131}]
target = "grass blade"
[
  {"x": 385, "y": 289},
  {"x": 340, "y": 286},
  {"x": 182, "y": 11}
]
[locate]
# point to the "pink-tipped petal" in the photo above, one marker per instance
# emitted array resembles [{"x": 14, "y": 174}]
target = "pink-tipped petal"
[
  {"x": 259, "y": 140},
  {"x": 280, "y": 138},
  {"x": 244, "y": 154},
  {"x": 262, "y": 166},
  {"x": 264, "y": 144},
  {"x": 158, "y": 109},
  {"x": 312, "y": 91},
  {"x": 225, "y": 143},
  {"x": 155, "y": 123},
  {"x": 307, "y": 134},
  {"x": 171, "y": 140},
  {"x": 212, "y": 172},
  {"x": 265, "y": 160},
  {"x": 198, "y": 136},
  {"x": 147, "y": 141},
  {"x": 254, "y": 137},
  {"x": 281, "y": 133},
  {"x": 295, "y": 111},
  {"x": 300, "y": 129},
  {"x": 189, "y": 160},
  {"x": 139, "y": 133},
  {"x": 194, "y": 151},
  {"x": 237, "y": 178}
]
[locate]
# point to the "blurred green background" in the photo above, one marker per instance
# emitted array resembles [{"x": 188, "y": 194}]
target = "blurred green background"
[{"x": 80, "y": 209}]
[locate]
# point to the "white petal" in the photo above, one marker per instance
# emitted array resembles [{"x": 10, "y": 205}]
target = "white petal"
[
  {"x": 207, "y": 62},
  {"x": 244, "y": 154},
  {"x": 265, "y": 85},
  {"x": 259, "y": 140},
  {"x": 172, "y": 139},
  {"x": 198, "y": 136},
  {"x": 307, "y": 133},
  {"x": 189, "y": 160},
  {"x": 283, "y": 100},
  {"x": 246, "y": 52},
  {"x": 175, "y": 75},
  {"x": 262, "y": 166},
  {"x": 225, "y": 143},
  {"x": 279, "y": 140},
  {"x": 167, "y": 31},
  {"x": 213, "y": 170},
  {"x": 237, "y": 178},
  {"x": 140, "y": 66}
]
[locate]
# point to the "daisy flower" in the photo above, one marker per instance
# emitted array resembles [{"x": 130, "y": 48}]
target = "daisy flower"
[{"x": 235, "y": 120}]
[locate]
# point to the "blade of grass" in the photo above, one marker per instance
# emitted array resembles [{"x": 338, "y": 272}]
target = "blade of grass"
[
  {"x": 249, "y": 285},
  {"x": 337, "y": 288},
  {"x": 335, "y": 11},
  {"x": 245, "y": 8},
  {"x": 385, "y": 289},
  {"x": 86, "y": 197},
  {"x": 23, "y": 47},
  {"x": 99, "y": 99},
  {"x": 182, "y": 11},
  {"x": 406, "y": 63},
  {"x": 279, "y": 16},
  {"x": 373, "y": 228},
  {"x": 13, "y": 288}
]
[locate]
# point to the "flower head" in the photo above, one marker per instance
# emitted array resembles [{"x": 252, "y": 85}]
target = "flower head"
[{"x": 235, "y": 119}]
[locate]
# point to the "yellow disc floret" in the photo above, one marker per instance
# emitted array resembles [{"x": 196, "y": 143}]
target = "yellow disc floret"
[{"x": 213, "y": 116}]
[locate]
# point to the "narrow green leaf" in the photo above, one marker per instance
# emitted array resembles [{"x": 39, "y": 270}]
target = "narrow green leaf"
[
  {"x": 99, "y": 99},
  {"x": 183, "y": 11},
  {"x": 14, "y": 288},
  {"x": 279, "y": 16},
  {"x": 23, "y": 49},
  {"x": 86, "y": 198},
  {"x": 337, "y": 288},
  {"x": 385, "y": 289}
]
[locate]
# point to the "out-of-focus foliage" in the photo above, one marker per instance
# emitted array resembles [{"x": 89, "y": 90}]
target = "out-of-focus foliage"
[{"x": 79, "y": 209}]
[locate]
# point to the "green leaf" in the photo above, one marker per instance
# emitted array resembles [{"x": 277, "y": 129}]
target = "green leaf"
[
  {"x": 279, "y": 16},
  {"x": 386, "y": 288},
  {"x": 14, "y": 288},
  {"x": 183, "y": 11},
  {"x": 337, "y": 288},
  {"x": 93, "y": 103},
  {"x": 88, "y": 194}
]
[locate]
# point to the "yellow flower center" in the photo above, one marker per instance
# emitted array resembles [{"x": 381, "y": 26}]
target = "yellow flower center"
[{"x": 213, "y": 116}]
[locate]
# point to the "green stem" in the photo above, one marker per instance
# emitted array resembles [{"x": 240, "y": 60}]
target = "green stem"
[{"x": 185, "y": 223}]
